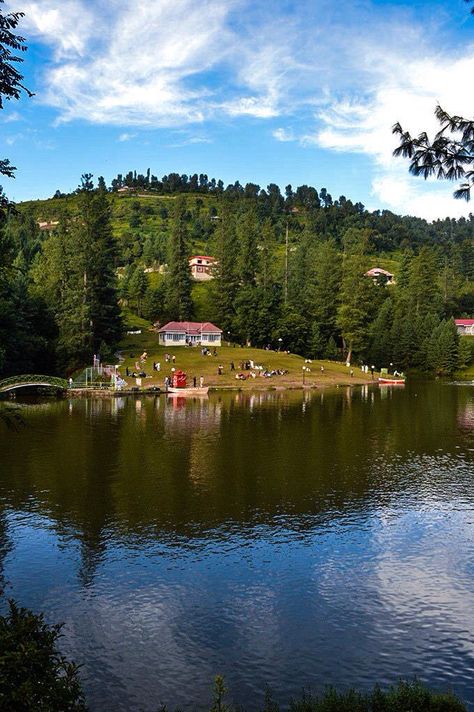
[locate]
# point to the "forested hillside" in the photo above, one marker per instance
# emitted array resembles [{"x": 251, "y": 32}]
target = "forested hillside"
[{"x": 291, "y": 271}]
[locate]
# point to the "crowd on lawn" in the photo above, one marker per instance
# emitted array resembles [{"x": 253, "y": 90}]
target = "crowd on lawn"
[{"x": 246, "y": 369}]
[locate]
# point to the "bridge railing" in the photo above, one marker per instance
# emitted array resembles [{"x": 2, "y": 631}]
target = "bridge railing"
[{"x": 30, "y": 379}]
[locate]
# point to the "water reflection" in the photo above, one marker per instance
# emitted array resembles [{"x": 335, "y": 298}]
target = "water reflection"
[{"x": 282, "y": 537}]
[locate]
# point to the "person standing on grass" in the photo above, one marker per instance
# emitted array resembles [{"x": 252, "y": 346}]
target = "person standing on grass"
[
  {"x": 194, "y": 381},
  {"x": 201, "y": 381}
]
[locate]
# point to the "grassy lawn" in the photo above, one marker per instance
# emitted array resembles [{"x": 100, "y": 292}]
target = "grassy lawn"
[{"x": 191, "y": 361}]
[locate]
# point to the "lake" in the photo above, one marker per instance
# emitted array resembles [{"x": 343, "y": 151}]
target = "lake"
[{"x": 283, "y": 538}]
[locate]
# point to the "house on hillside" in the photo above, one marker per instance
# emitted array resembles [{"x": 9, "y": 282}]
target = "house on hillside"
[
  {"x": 380, "y": 275},
  {"x": 194, "y": 333},
  {"x": 202, "y": 267},
  {"x": 465, "y": 327},
  {"x": 47, "y": 224}
]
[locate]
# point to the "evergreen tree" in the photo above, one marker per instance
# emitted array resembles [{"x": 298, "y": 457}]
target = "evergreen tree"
[
  {"x": 325, "y": 289},
  {"x": 423, "y": 291},
  {"x": 100, "y": 259},
  {"x": 381, "y": 347},
  {"x": 247, "y": 266},
  {"x": 356, "y": 307},
  {"x": 179, "y": 302},
  {"x": 247, "y": 237},
  {"x": 443, "y": 349},
  {"x": 267, "y": 241},
  {"x": 75, "y": 274},
  {"x": 226, "y": 284},
  {"x": 302, "y": 273},
  {"x": 137, "y": 288}
]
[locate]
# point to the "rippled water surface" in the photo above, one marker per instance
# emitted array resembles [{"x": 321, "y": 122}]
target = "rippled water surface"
[{"x": 279, "y": 538}]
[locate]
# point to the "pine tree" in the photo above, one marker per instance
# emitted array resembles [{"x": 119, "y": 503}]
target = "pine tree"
[
  {"x": 423, "y": 291},
  {"x": 357, "y": 305},
  {"x": 100, "y": 257},
  {"x": 247, "y": 266},
  {"x": 75, "y": 274},
  {"x": 267, "y": 241},
  {"x": 179, "y": 303},
  {"x": 325, "y": 290},
  {"x": 226, "y": 284},
  {"x": 443, "y": 349},
  {"x": 381, "y": 347},
  {"x": 247, "y": 238},
  {"x": 137, "y": 288}
]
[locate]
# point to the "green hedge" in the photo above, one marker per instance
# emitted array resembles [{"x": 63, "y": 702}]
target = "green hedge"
[{"x": 35, "y": 677}]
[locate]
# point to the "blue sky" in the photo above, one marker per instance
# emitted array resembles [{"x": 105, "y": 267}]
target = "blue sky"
[{"x": 288, "y": 91}]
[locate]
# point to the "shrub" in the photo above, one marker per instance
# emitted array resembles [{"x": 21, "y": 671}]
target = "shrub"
[{"x": 34, "y": 676}]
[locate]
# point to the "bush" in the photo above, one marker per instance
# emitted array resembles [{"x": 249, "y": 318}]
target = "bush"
[
  {"x": 404, "y": 697},
  {"x": 34, "y": 676}
]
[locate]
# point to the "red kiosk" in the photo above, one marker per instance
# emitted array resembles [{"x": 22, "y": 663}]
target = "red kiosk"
[{"x": 179, "y": 379}]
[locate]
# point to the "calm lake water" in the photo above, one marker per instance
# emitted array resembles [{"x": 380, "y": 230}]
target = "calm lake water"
[{"x": 281, "y": 538}]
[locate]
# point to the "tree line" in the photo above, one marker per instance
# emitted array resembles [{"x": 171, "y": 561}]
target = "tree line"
[{"x": 283, "y": 278}]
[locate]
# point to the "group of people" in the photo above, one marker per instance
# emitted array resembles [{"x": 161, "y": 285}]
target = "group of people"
[
  {"x": 207, "y": 352},
  {"x": 139, "y": 373},
  {"x": 170, "y": 358},
  {"x": 264, "y": 373}
]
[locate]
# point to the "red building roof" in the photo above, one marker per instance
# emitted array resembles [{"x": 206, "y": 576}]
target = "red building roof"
[
  {"x": 464, "y": 322},
  {"x": 201, "y": 257},
  {"x": 375, "y": 271},
  {"x": 191, "y": 327}
]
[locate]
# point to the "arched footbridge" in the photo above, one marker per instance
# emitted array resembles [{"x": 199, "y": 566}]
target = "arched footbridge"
[{"x": 32, "y": 381}]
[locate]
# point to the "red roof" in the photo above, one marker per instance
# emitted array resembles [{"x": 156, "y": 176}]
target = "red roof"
[
  {"x": 201, "y": 257},
  {"x": 464, "y": 322},
  {"x": 191, "y": 327},
  {"x": 376, "y": 271}
]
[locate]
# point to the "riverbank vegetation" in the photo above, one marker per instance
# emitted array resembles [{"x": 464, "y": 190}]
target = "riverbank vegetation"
[
  {"x": 34, "y": 675},
  {"x": 291, "y": 272}
]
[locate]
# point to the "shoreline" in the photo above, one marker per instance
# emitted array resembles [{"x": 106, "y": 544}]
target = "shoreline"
[{"x": 156, "y": 391}]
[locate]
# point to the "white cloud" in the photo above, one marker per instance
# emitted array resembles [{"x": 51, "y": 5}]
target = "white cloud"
[
  {"x": 405, "y": 89},
  {"x": 283, "y": 135},
  {"x": 11, "y": 117},
  {"x": 126, "y": 137},
  {"x": 345, "y": 72},
  {"x": 140, "y": 73},
  {"x": 405, "y": 194},
  {"x": 251, "y": 106},
  {"x": 67, "y": 25}
]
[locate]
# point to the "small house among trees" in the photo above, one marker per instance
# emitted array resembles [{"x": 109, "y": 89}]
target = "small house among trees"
[
  {"x": 465, "y": 327},
  {"x": 380, "y": 275},
  {"x": 190, "y": 333},
  {"x": 202, "y": 267}
]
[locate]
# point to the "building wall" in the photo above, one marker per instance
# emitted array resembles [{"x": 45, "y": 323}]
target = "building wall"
[
  {"x": 201, "y": 273},
  {"x": 465, "y": 330},
  {"x": 175, "y": 339}
]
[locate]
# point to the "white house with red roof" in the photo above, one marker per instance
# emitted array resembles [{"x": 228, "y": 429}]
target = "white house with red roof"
[
  {"x": 465, "y": 327},
  {"x": 183, "y": 333},
  {"x": 202, "y": 267},
  {"x": 379, "y": 274}
]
